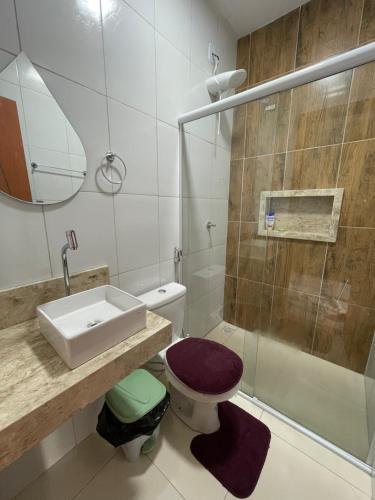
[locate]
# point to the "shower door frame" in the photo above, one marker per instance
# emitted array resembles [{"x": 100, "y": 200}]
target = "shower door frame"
[{"x": 328, "y": 67}]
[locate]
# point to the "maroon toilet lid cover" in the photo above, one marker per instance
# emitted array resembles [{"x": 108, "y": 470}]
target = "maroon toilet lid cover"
[{"x": 204, "y": 365}]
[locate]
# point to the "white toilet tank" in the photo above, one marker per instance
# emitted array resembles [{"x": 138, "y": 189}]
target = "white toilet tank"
[{"x": 169, "y": 302}]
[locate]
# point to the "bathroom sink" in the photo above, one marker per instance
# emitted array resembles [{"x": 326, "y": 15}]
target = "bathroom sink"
[{"x": 86, "y": 324}]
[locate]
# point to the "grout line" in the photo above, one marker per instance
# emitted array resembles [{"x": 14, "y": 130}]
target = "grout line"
[
  {"x": 165, "y": 476},
  {"x": 18, "y": 26},
  {"x": 297, "y": 38},
  {"x": 319, "y": 299},
  {"x": 289, "y": 289},
  {"x": 285, "y": 440},
  {"x": 265, "y": 412},
  {"x": 115, "y": 231},
  {"x": 99, "y": 471},
  {"x": 303, "y": 149},
  {"x": 345, "y": 125},
  {"x": 360, "y": 22},
  {"x": 357, "y": 227}
]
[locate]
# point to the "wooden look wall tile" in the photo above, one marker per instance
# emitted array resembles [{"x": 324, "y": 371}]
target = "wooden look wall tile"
[
  {"x": 293, "y": 317},
  {"x": 368, "y": 22},
  {"x": 357, "y": 177},
  {"x": 300, "y": 265},
  {"x": 230, "y": 289},
  {"x": 344, "y": 334},
  {"x": 351, "y": 258},
  {"x": 318, "y": 112},
  {"x": 257, "y": 254},
  {"x": 238, "y": 132},
  {"x": 327, "y": 27},
  {"x": 312, "y": 168},
  {"x": 235, "y": 189},
  {"x": 273, "y": 48},
  {"x": 232, "y": 248},
  {"x": 267, "y": 123},
  {"x": 243, "y": 57},
  {"x": 361, "y": 123},
  {"x": 264, "y": 173},
  {"x": 253, "y": 307}
]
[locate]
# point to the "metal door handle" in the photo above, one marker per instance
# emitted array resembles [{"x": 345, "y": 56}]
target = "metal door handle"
[{"x": 210, "y": 224}]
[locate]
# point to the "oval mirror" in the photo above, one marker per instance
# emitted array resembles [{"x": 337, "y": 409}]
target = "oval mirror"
[{"x": 42, "y": 159}]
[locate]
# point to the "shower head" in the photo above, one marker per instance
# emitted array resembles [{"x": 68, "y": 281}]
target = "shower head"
[{"x": 217, "y": 84}]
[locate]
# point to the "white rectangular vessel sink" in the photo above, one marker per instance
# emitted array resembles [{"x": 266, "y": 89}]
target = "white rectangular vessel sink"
[{"x": 86, "y": 324}]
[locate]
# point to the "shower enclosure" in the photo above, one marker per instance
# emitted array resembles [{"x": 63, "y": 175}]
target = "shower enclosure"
[{"x": 296, "y": 300}]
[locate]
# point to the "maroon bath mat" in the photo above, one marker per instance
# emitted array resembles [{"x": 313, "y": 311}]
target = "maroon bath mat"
[{"x": 235, "y": 454}]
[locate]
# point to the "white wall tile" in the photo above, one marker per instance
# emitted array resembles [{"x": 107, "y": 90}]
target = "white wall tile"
[
  {"x": 197, "y": 168},
  {"x": 140, "y": 280},
  {"x": 85, "y": 420},
  {"x": 168, "y": 271},
  {"x": 133, "y": 137},
  {"x": 10, "y": 73},
  {"x": 196, "y": 272},
  {"x": 144, "y": 7},
  {"x": 137, "y": 231},
  {"x": 42, "y": 456},
  {"x": 168, "y": 167},
  {"x": 172, "y": 79},
  {"x": 129, "y": 46},
  {"x": 219, "y": 216},
  {"x": 224, "y": 138},
  {"x": 217, "y": 266},
  {"x": 168, "y": 227},
  {"x": 226, "y": 46},
  {"x": 91, "y": 216},
  {"x": 173, "y": 20},
  {"x": 204, "y": 29},
  {"x": 87, "y": 112},
  {"x": 29, "y": 76},
  {"x": 5, "y": 59},
  {"x": 23, "y": 249},
  {"x": 220, "y": 173},
  {"x": 198, "y": 96},
  {"x": 64, "y": 37},
  {"x": 8, "y": 27},
  {"x": 114, "y": 280},
  {"x": 199, "y": 320},
  {"x": 49, "y": 130},
  {"x": 49, "y": 184},
  {"x": 199, "y": 213}
]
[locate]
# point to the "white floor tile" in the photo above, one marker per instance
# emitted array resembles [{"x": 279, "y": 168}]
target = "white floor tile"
[
  {"x": 174, "y": 458},
  {"x": 288, "y": 474},
  {"x": 246, "y": 405},
  {"x": 72, "y": 473},
  {"x": 121, "y": 480},
  {"x": 334, "y": 463}
]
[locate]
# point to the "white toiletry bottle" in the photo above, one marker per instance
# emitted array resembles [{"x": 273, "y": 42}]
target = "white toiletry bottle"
[{"x": 270, "y": 220}]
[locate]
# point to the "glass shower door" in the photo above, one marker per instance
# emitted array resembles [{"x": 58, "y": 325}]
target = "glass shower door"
[{"x": 296, "y": 301}]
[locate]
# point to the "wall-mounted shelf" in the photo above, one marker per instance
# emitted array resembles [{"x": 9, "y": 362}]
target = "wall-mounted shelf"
[{"x": 306, "y": 214}]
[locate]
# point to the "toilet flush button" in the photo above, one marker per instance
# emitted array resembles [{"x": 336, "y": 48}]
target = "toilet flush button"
[{"x": 162, "y": 290}]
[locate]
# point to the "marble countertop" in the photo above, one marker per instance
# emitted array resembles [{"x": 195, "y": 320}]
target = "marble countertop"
[{"x": 38, "y": 392}]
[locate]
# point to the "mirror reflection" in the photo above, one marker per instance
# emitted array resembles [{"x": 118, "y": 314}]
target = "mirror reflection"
[{"x": 42, "y": 159}]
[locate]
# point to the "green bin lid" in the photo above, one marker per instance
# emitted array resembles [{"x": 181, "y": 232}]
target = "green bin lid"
[{"x": 135, "y": 396}]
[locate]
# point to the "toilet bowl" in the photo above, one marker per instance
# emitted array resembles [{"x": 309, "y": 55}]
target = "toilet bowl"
[{"x": 201, "y": 373}]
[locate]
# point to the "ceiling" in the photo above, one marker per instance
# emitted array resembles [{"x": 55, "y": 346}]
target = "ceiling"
[{"x": 246, "y": 16}]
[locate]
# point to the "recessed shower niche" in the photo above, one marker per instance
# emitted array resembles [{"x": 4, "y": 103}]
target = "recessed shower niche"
[{"x": 306, "y": 214}]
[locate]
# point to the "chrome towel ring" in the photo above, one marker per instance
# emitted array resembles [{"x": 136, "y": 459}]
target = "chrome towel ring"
[{"x": 110, "y": 157}]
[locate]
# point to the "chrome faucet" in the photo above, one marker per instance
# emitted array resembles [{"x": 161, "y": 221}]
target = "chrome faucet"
[{"x": 70, "y": 245}]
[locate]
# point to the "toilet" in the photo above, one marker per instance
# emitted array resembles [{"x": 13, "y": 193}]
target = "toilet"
[{"x": 201, "y": 373}]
